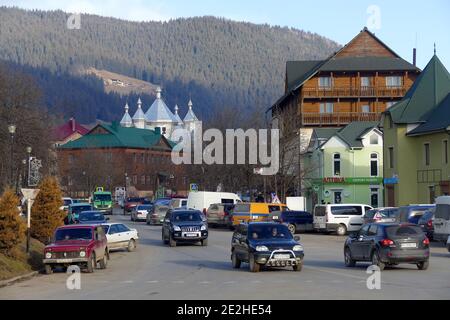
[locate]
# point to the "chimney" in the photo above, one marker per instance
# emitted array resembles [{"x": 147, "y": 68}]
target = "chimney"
[
  {"x": 415, "y": 57},
  {"x": 72, "y": 122}
]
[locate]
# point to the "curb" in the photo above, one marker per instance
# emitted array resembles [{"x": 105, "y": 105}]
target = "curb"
[{"x": 5, "y": 283}]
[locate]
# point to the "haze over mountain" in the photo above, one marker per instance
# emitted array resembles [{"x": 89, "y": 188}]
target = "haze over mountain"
[{"x": 217, "y": 62}]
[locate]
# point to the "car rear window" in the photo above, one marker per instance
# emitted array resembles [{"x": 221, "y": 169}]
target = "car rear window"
[
  {"x": 320, "y": 211},
  {"x": 73, "y": 234},
  {"x": 403, "y": 231},
  {"x": 443, "y": 211},
  {"x": 91, "y": 216}
]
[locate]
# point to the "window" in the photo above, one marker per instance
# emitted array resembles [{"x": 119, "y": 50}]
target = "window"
[
  {"x": 142, "y": 180},
  {"x": 373, "y": 230},
  {"x": 365, "y": 108},
  {"x": 149, "y": 181},
  {"x": 346, "y": 210},
  {"x": 391, "y": 157},
  {"x": 427, "y": 153},
  {"x": 445, "y": 151},
  {"x": 337, "y": 165},
  {"x": 374, "y": 139},
  {"x": 135, "y": 157},
  {"x": 135, "y": 179},
  {"x": 327, "y": 107},
  {"x": 394, "y": 81},
  {"x": 374, "y": 165},
  {"x": 365, "y": 81},
  {"x": 164, "y": 130},
  {"x": 71, "y": 159},
  {"x": 108, "y": 157},
  {"x": 325, "y": 82}
]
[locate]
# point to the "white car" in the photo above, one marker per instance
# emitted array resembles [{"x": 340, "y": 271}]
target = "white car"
[
  {"x": 67, "y": 202},
  {"x": 120, "y": 236},
  {"x": 140, "y": 212}
]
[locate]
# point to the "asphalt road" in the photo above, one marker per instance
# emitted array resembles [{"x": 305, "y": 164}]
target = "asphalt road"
[{"x": 156, "y": 271}]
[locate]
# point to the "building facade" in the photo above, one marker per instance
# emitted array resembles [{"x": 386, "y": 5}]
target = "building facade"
[
  {"x": 417, "y": 137},
  {"x": 344, "y": 165}
]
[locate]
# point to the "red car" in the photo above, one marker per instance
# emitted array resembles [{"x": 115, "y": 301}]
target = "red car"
[
  {"x": 82, "y": 245},
  {"x": 132, "y": 203}
]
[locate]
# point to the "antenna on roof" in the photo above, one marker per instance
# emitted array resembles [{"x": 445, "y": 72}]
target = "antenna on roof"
[{"x": 435, "y": 48}]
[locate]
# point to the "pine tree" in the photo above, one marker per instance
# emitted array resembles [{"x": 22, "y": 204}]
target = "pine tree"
[
  {"x": 46, "y": 215},
  {"x": 12, "y": 227}
]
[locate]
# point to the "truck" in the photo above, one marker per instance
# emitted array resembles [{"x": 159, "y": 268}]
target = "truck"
[{"x": 102, "y": 201}]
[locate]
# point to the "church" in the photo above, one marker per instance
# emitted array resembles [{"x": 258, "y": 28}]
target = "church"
[{"x": 160, "y": 118}]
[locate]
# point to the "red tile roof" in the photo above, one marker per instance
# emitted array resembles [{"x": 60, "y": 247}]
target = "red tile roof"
[{"x": 66, "y": 130}]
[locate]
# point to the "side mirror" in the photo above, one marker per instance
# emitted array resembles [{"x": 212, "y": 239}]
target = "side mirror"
[{"x": 297, "y": 238}]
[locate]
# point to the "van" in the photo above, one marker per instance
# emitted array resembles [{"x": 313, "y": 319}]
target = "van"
[
  {"x": 339, "y": 218},
  {"x": 255, "y": 212},
  {"x": 442, "y": 219},
  {"x": 202, "y": 200},
  {"x": 178, "y": 203}
]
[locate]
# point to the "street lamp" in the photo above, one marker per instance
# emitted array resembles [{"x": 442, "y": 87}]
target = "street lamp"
[
  {"x": 12, "y": 131},
  {"x": 28, "y": 150}
]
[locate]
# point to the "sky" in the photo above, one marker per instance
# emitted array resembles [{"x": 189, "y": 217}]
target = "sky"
[{"x": 401, "y": 24}]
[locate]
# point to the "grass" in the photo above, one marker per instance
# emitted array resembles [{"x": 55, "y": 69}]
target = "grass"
[{"x": 22, "y": 264}]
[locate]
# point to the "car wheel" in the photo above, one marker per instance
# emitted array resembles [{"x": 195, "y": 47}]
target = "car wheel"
[
  {"x": 163, "y": 238},
  {"x": 48, "y": 269},
  {"x": 423, "y": 265},
  {"x": 91, "y": 264},
  {"x": 131, "y": 245},
  {"x": 235, "y": 262},
  {"x": 172, "y": 242},
  {"x": 104, "y": 262},
  {"x": 292, "y": 228},
  {"x": 341, "y": 230},
  {"x": 254, "y": 267},
  {"x": 377, "y": 262},
  {"x": 205, "y": 243},
  {"x": 298, "y": 267},
  {"x": 349, "y": 262}
]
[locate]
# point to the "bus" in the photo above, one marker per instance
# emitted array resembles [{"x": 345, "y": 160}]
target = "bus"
[{"x": 102, "y": 201}]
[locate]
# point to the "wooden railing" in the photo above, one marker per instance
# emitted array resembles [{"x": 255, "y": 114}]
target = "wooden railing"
[
  {"x": 341, "y": 92},
  {"x": 338, "y": 118}
]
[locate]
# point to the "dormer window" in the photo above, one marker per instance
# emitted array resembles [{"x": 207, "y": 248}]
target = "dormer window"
[{"x": 374, "y": 139}]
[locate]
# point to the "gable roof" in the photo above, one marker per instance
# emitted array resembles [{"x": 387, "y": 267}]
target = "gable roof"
[
  {"x": 424, "y": 96},
  {"x": 351, "y": 134},
  {"x": 116, "y": 136},
  {"x": 67, "y": 129}
]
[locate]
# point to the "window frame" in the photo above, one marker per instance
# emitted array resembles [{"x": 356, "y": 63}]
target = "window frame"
[
  {"x": 337, "y": 160},
  {"x": 377, "y": 162}
]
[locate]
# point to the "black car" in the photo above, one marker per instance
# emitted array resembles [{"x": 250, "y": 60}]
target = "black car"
[
  {"x": 426, "y": 222},
  {"x": 266, "y": 244},
  {"x": 387, "y": 244},
  {"x": 187, "y": 226}
]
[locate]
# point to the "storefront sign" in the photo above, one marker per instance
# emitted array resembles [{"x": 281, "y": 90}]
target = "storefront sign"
[
  {"x": 357, "y": 180},
  {"x": 391, "y": 180}
]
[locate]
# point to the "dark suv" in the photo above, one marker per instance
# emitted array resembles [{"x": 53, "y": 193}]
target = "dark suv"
[
  {"x": 266, "y": 244},
  {"x": 388, "y": 244},
  {"x": 187, "y": 226}
]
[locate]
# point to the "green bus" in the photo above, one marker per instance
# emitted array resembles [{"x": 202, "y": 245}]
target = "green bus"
[{"x": 102, "y": 201}]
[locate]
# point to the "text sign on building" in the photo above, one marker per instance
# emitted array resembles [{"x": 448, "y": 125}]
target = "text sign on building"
[
  {"x": 391, "y": 180},
  {"x": 357, "y": 180}
]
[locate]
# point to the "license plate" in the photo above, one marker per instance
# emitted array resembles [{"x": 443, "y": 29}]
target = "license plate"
[
  {"x": 409, "y": 245},
  {"x": 282, "y": 256},
  {"x": 275, "y": 218},
  {"x": 63, "y": 261},
  {"x": 191, "y": 235}
]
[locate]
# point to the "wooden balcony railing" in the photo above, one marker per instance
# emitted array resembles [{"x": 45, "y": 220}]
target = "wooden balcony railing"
[
  {"x": 338, "y": 118},
  {"x": 342, "y": 92}
]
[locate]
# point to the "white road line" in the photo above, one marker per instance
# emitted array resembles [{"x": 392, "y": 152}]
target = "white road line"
[
  {"x": 229, "y": 282},
  {"x": 178, "y": 282},
  {"x": 153, "y": 281},
  {"x": 205, "y": 282}
]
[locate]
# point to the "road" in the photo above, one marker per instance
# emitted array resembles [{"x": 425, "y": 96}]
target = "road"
[{"x": 156, "y": 271}]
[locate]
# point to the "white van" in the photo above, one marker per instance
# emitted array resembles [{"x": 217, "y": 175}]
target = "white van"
[
  {"x": 339, "y": 218},
  {"x": 442, "y": 219},
  {"x": 202, "y": 200}
]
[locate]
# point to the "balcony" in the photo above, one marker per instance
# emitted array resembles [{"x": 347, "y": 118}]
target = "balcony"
[
  {"x": 337, "y": 118},
  {"x": 348, "y": 92}
]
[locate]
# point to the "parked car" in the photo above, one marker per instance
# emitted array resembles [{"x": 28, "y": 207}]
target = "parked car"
[
  {"x": 220, "y": 214},
  {"x": 380, "y": 215},
  {"x": 426, "y": 222},
  {"x": 82, "y": 245},
  {"x": 184, "y": 226},
  {"x": 75, "y": 210},
  {"x": 140, "y": 212},
  {"x": 156, "y": 215},
  {"x": 254, "y": 212},
  {"x": 92, "y": 217},
  {"x": 121, "y": 236},
  {"x": 131, "y": 203},
  {"x": 296, "y": 221},
  {"x": 387, "y": 244},
  {"x": 442, "y": 219},
  {"x": 202, "y": 200},
  {"x": 178, "y": 203},
  {"x": 339, "y": 218},
  {"x": 266, "y": 244},
  {"x": 66, "y": 203},
  {"x": 448, "y": 244},
  {"x": 412, "y": 213}
]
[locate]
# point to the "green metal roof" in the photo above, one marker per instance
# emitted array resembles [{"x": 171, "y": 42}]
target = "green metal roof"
[
  {"x": 120, "y": 137},
  {"x": 437, "y": 120},
  {"x": 353, "y": 132},
  {"x": 425, "y": 95},
  {"x": 325, "y": 133}
]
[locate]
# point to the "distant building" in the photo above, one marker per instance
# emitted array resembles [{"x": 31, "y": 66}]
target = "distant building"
[
  {"x": 69, "y": 131},
  {"x": 345, "y": 165},
  {"x": 417, "y": 138}
]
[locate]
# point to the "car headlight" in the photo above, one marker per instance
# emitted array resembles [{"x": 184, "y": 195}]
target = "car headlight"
[
  {"x": 82, "y": 254},
  {"x": 262, "y": 248},
  {"x": 203, "y": 228},
  {"x": 48, "y": 255},
  {"x": 297, "y": 248},
  {"x": 176, "y": 228}
]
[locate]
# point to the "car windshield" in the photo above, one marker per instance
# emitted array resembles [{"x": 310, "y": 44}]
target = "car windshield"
[
  {"x": 147, "y": 207},
  {"x": 403, "y": 231},
  {"x": 73, "y": 234},
  {"x": 271, "y": 231},
  {"x": 193, "y": 216},
  {"x": 67, "y": 202},
  {"x": 105, "y": 228},
  {"x": 102, "y": 197},
  {"x": 78, "y": 209},
  {"x": 163, "y": 203},
  {"x": 91, "y": 216},
  {"x": 134, "y": 200}
]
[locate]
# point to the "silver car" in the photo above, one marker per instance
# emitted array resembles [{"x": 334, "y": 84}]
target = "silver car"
[
  {"x": 381, "y": 215},
  {"x": 157, "y": 214}
]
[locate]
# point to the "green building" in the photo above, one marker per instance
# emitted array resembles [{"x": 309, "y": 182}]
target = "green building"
[
  {"x": 416, "y": 140},
  {"x": 344, "y": 165}
]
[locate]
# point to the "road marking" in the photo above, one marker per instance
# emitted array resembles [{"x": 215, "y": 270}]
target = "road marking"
[
  {"x": 229, "y": 282},
  {"x": 127, "y": 282},
  {"x": 153, "y": 281},
  {"x": 178, "y": 282},
  {"x": 205, "y": 282}
]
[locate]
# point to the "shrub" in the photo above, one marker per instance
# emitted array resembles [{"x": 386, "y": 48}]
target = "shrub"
[{"x": 12, "y": 226}]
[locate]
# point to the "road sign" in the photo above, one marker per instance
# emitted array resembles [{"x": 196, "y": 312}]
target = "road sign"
[
  {"x": 194, "y": 187},
  {"x": 30, "y": 194}
]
